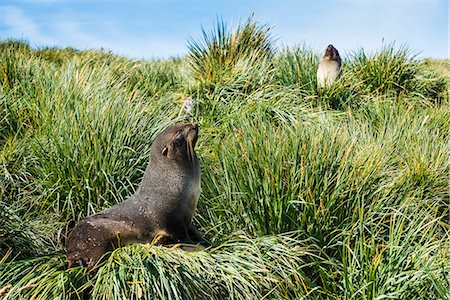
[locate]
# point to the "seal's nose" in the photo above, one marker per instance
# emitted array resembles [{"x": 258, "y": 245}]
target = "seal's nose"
[{"x": 191, "y": 129}]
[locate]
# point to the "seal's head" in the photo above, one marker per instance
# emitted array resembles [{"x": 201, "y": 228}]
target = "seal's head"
[
  {"x": 177, "y": 143},
  {"x": 331, "y": 53}
]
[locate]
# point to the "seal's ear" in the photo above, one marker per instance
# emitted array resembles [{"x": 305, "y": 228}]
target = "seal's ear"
[
  {"x": 178, "y": 137},
  {"x": 165, "y": 151}
]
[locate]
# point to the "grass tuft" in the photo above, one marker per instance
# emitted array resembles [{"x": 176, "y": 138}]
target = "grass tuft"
[
  {"x": 236, "y": 59},
  {"x": 241, "y": 268}
]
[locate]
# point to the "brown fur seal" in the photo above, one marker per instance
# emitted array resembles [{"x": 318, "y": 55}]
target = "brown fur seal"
[
  {"x": 329, "y": 67},
  {"x": 161, "y": 210}
]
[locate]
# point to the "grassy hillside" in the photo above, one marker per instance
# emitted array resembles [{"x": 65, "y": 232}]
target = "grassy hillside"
[{"x": 340, "y": 193}]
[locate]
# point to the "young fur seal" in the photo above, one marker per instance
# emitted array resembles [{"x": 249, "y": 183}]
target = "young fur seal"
[
  {"x": 329, "y": 67},
  {"x": 160, "y": 211}
]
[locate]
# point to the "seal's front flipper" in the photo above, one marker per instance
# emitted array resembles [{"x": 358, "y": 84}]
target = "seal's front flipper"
[{"x": 197, "y": 237}]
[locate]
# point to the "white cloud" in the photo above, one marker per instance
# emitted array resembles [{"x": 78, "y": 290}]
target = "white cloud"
[
  {"x": 71, "y": 32},
  {"x": 61, "y": 30},
  {"x": 19, "y": 25}
]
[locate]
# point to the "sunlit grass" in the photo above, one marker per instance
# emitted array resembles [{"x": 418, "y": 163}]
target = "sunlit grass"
[
  {"x": 240, "y": 268},
  {"x": 338, "y": 193},
  {"x": 236, "y": 59}
]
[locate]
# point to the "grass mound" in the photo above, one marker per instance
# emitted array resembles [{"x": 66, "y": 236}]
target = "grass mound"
[
  {"x": 233, "y": 59},
  {"x": 241, "y": 268}
]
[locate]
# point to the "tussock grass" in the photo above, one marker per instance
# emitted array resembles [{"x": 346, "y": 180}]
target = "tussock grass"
[
  {"x": 43, "y": 278},
  {"x": 57, "y": 56},
  {"x": 395, "y": 70},
  {"x": 298, "y": 66},
  {"x": 22, "y": 237},
  {"x": 241, "y": 268},
  {"x": 390, "y": 69},
  {"x": 238, "y": 60},
  {"x": 306, "y": 193}
]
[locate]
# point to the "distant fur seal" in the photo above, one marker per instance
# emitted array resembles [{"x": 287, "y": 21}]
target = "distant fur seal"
[
  {"x": 160, "y": 211},
  {"x": 329, "y": 67}
]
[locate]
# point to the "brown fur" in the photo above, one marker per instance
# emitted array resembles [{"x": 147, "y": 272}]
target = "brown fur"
[{"x": 161, "y": 211}]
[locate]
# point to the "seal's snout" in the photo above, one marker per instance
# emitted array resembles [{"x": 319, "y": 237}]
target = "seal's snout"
[
  {"x": 191, "y": 139},
  {"x": 191, "y": 133},
  {"x": 193, "y": 130}
]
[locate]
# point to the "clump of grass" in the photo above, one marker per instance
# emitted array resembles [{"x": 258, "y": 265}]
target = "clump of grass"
[
  {"x": 42, "y": 277},
  {"x": 341, "y": 95},
  {"x": 389, "y": 70},
  {"x": 272, "y": 176},
  {"x": 242, "y": 268},
  {"x": 234, "y": 59},
  {"x": 297, "y": 66},
  {"x": 396, "y": 71},
  {"x": 395, "y": 252},
  {"x": 24, "y": 230},
  {"x": 153, "y": 78},
  {"x": 16, "y": 44},
  {"x": 57, "y": 56},
  {"x": 431, "y": 84},
  {"x": 20, "y": 236},
  {"x": 19, "y": 70},
  {"x": 10, "y": 122}
]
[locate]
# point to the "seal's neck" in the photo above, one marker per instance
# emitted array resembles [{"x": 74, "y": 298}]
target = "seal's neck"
[{"x": 160, "y": 177}]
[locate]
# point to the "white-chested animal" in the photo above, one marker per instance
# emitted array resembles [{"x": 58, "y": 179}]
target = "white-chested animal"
[
  {"x": 329, "y": 67},
  {"x": 161, "y": 210}
]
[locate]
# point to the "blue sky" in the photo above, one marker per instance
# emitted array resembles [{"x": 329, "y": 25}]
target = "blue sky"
[{"x": 149, "y": 29}]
